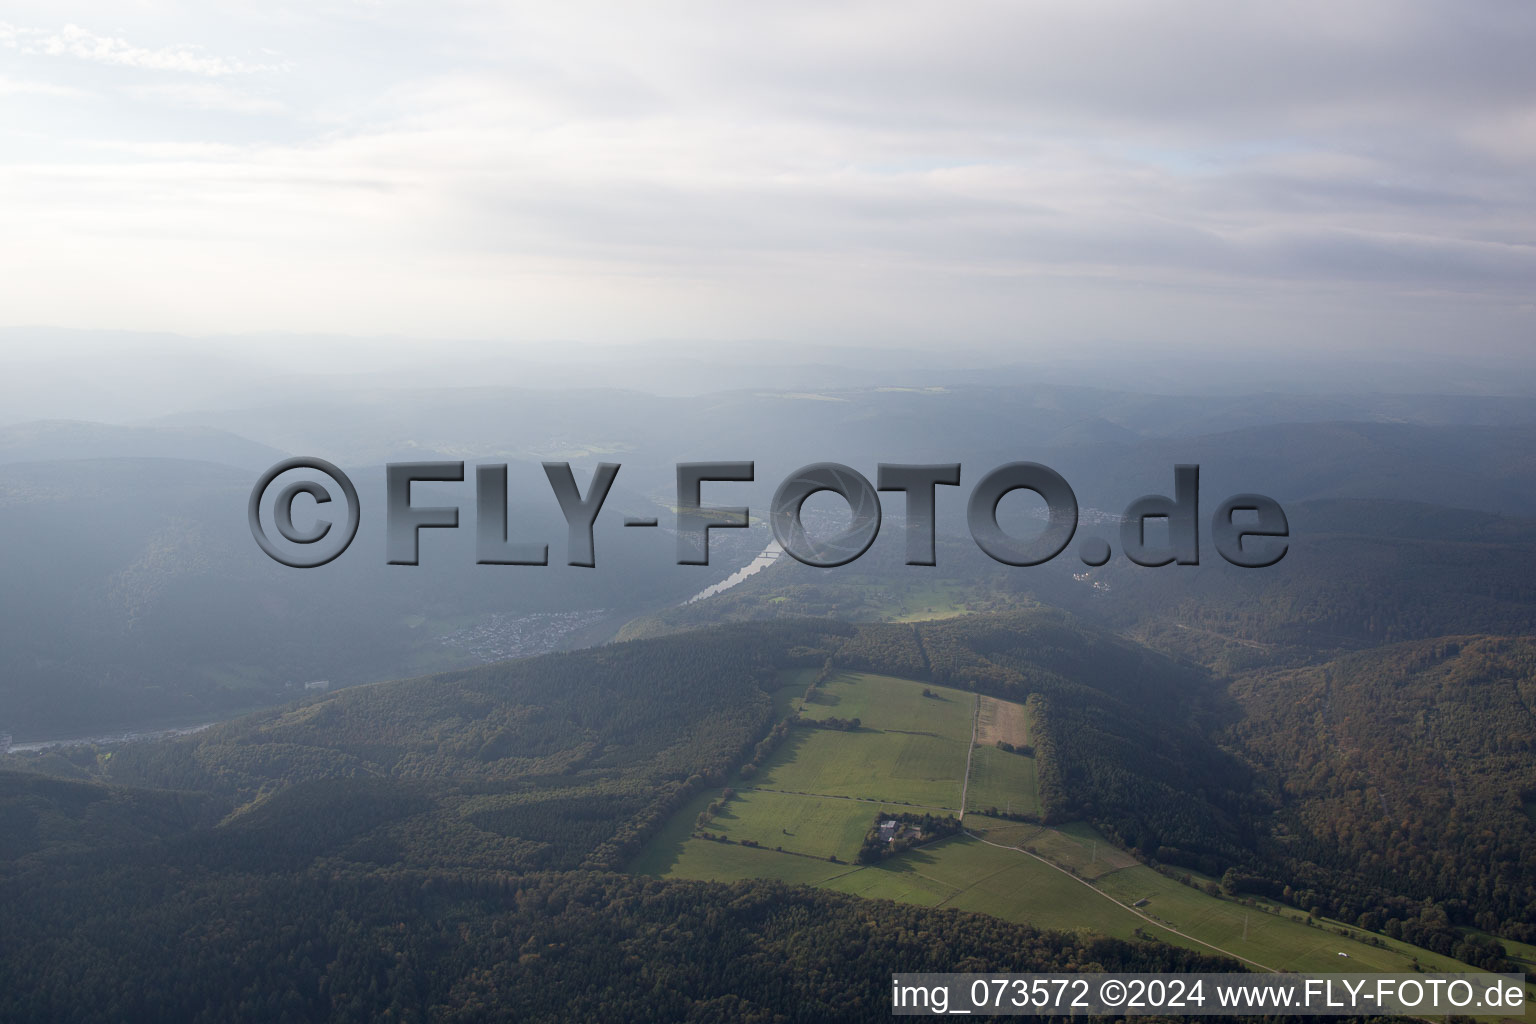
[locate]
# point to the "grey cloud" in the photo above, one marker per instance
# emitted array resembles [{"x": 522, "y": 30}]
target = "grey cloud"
[{"x": 1374, "y": 150}]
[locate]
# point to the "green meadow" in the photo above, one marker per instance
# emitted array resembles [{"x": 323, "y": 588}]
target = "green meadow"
[
  {"x": 888, "y": 703},
  {"x": 908, "y": 749},
  {"x": 804, "y": 815},
  {"x": 1283, "y": 941},
  {"x": 1002, "y": 781},
  {"x": 813, "y": 826}
]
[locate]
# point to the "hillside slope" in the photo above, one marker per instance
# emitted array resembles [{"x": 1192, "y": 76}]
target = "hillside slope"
[{"x": 1407, "y": 775}]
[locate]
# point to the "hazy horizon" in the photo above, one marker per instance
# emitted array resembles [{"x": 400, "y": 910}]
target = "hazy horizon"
[{"x": 1184, "y": 177}]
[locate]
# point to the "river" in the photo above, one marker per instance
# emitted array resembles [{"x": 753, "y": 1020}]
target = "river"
[{"x": 770, "y": 555}]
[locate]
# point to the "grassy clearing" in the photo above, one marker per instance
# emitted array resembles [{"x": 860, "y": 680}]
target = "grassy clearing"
[
  {"x": 999, "y": 830},
  {"x": 932, "y": 601},
  {"x": 1277, "y": 941},
  {"x": 909, "y": 749},
  {"x": 883, "y": 766},
  {"x": 1073, "y": 850},
  {"x": 793, "y": 683},
  {"x": 821, "y": 790},
  {"x": 969, "y": 875},
  {"x": 1079, "y": 848},
  {"x": 1001, "y": 720},
  {"x": 663, "y": 854},
  {"x": 677, "y": 853},
  {"x": 901, "y": 879},
  {"x": 890, "y": 704},
  {"x": 1002, "y": 781},
  {"x": 726, "y": 862},
  {"x": 817, "y": 827},
  {"x": 1010, "y": 885}
]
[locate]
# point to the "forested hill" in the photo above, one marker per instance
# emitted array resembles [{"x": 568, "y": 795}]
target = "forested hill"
[
  {"x": 1125, "y": 734},
  {"x": 1393, "y": 787},
  {"x": 139, "y": 941},
  {"x": 447, "y": 785},
  {"x": 572, "y": 758},
  {"x": 546, "y": 762},
  {"x": 670, "y": 706},
  {"x": 1408, "y": 777},
  {"x": 434, "y": 849}
]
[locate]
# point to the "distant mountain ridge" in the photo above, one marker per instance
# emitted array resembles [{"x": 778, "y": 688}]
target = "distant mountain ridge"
[{"x": 63, "y": 440}]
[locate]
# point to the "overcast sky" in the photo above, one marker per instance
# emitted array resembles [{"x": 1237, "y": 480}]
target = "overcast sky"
[{"x": 1341, "y": 176}]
